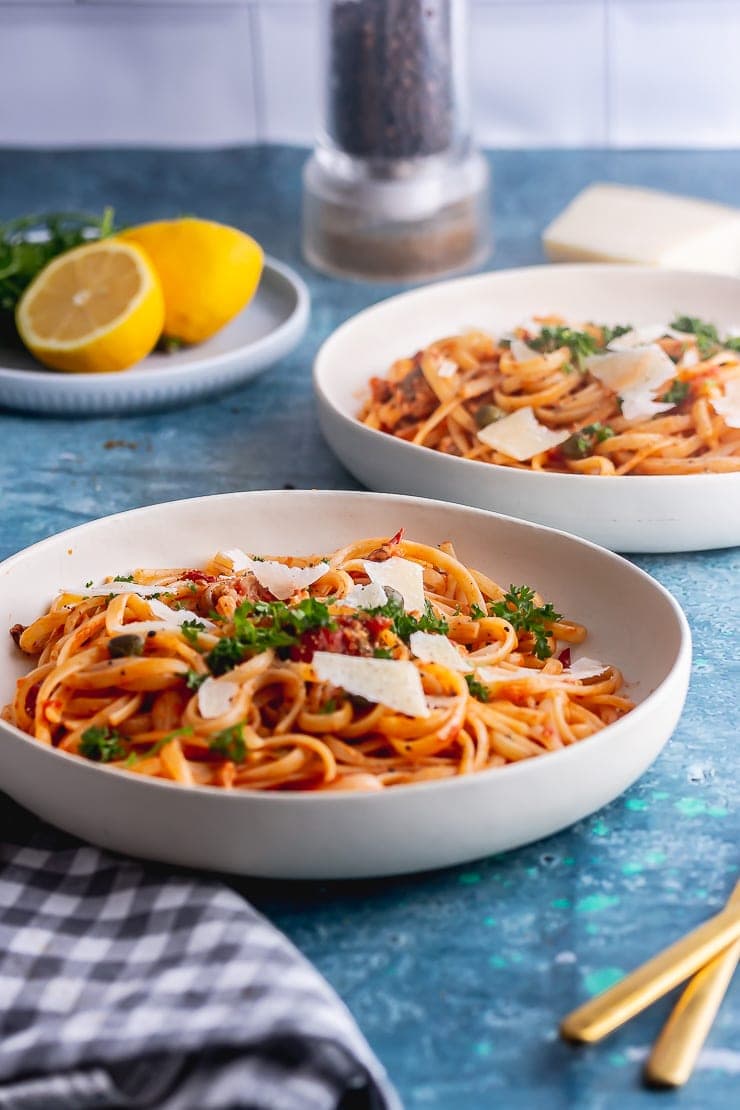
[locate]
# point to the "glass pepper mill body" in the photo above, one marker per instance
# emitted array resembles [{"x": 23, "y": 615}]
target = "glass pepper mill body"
[{"x": 394, "y": 189}]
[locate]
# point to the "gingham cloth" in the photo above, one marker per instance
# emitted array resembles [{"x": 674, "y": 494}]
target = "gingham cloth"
[{"x": 125, "y": 985}]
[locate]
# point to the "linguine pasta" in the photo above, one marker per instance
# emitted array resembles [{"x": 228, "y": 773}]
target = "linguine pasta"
[
  {"x": 451, "y": 395},
  {"x": 209, "y": 677}
]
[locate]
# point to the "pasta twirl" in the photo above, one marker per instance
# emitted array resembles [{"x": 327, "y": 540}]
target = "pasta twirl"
[{"x": 205, "y": 677}]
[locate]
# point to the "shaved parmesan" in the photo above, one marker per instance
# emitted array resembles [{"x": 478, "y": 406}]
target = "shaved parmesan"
[
  {"x": 114, "y": 588},
  {"x": 497, "y": 676},
  {"x": 283, "y": 581},
  {"x": 239, "y": 559},
  {"x": 215, "y": 697},
  {"x": 728, "y": 406},
  {"x": 401, "y": 575},
  {"x": 644, "y": 336},
  {"x": 433, "y": 648},
  {"x": 689, "y": 358},
  {"x": 585, "y": 668},
  {"x": 440, "y": 701},
  {"x": 372, "y": 596},
  {"x": 447, "y": 368},
  {"x": 177, "y": 617},
  {"x": 395, "y": 683},
  {"x": 522, "y": 352},
  {"x": 634, "y": 375},
  {"x": 520, "y": 435}
]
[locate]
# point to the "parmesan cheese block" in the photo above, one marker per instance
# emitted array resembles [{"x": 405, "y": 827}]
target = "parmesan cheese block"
[
  {"x": 634, "y": 375},
  {"x": 621, "y": 223},
  {"x": 395, "y": 683},
  {"x": 520, "y": 435},
  {"x": 728, "y": 406},
  {"x": 433, "y": 648},
  {"x": 401, "y": 575}
]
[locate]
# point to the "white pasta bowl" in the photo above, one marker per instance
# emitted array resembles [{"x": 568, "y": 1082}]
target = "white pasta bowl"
[
  {"x": 633, "y": 622},
  {"x": 628, "y": 513}
]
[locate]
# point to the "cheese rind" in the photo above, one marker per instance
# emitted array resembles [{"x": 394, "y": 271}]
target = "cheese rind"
[{"x": 621, "y": 223}]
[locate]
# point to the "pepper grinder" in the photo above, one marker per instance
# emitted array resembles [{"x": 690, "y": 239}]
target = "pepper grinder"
[{"x": 394, "y": 189}]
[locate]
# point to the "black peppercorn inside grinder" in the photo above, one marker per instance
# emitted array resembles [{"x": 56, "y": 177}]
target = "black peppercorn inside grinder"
[{"x": 394, "y": 189}]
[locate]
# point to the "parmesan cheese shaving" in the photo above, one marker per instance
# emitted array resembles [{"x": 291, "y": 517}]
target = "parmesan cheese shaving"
[
  {"x": 522, "y": 352},
  {"x": 395, "y": 683},
  {"x": 433, "y": 648},
  {"x": 372, "y": 596},
  {"x": 520, "y": 435},
  {"x": 215, "y": 697},
  {"x": 728, "y": 405},
  {"x": 644, "y": 336},
  {"x": 114, "y": 588},
  {"x": 238, "y": 558},
  {"x": 401, "y": 575},
  {"x": 283, "y": 581},
  {"x": 585, "y": 668},
  {"x": 634, "y": 375},
  {"x": 447, "y": 368},
  {"x": 177, "y": 617}
]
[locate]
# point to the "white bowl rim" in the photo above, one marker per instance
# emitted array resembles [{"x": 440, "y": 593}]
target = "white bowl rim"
[
  {"x": 307, "y": 797},
  {"x": 323, "y": 378},
  {"x": 91, "y": 381}
]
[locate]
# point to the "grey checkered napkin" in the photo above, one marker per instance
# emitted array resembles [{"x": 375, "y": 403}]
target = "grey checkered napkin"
[{"x": 123, "y": 985}]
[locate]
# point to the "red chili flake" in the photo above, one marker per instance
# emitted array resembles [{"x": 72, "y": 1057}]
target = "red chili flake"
[
  {"x": 397, "y": 538},
  {"x": 564, "y": 657}
]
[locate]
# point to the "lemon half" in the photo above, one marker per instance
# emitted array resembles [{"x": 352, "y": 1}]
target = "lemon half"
[{"x": 94, "y": 308}]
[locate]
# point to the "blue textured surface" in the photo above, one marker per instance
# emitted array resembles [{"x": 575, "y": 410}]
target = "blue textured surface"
[{"x": 457, "y": 978}]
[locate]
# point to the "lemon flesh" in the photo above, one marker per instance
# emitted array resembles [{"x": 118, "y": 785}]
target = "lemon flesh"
[
  {"x": 96, "y": 308},
  {"x": 209, "y": 272}
]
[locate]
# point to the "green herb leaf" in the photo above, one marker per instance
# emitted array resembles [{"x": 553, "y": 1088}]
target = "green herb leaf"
[
  {"x": 382, "y": 653},
  {"x": 190, "y": 630},
  {"x": 155, "y": 749},
  {"x": 579, "y": 343},
  {"x": 329, "y": 706},
  {"x": 404, "y": 623},
  {"x": 582, "y": 443},
  {"x": 230, "y": 743},
  {"x": 477, "y": 689},
  {"x": 677, "y": 392},
  {"x": 519, "y": 609},
  {"x": 610, "y": 333},
  {"x": 259, "y": 625},
  {"x": 194, "y": 679},
  {"x": 707, "y": 337},
  {"x": 102, "y": 744},
  {"x": 124, "y": 578}
]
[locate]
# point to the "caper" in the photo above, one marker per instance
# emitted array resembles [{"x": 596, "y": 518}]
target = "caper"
[
  {"x": 488, "y": 414},
  {"x": 128, "y": 643},
  {"x": 576, "y": 446}
]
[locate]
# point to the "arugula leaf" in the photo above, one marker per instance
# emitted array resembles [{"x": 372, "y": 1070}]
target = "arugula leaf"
[
  {"x": 102, "y": 744},
  {"x": 707, "y": 336},
  {"x": 579, "y": 343},
  {"x": 519, "y": 609},
  {"x": 477, "y": 689},
  {"x": 230, "y": 743},
  {"x": 677, "y": 392}
]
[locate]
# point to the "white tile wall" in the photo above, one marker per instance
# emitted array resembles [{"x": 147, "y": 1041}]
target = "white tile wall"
[{"x": 201, "y": 72}]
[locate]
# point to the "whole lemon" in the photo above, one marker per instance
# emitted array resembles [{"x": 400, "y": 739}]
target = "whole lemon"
[{"x": 208, "y": 272}]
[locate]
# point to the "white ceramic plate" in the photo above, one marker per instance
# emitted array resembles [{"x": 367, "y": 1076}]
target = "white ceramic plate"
[
  {"x": 633, "y": 622},
  {"x": 269, "y": 327},
  {"x": 637, "y": 513}
]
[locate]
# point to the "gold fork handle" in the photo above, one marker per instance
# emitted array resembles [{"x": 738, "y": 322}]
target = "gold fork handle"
[{"x": 601, "y": 1015}]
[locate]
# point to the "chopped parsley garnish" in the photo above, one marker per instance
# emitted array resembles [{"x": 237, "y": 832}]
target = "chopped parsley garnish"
[
  {"x": 582, "y": 443},
  {"x": 382, "y": 653},
  {"x": 707, "y": 336},
  {"x": 190, "y": 630},
  {"x": 732, "y": 343},
  {"x": 579, "y": 343},
  {"x": 102, "y": 744},
  {"x": 230, "y": 743},
  {"x": 518, "y": 608},
  {"x": 329, "y": 706},
  {"x": 194, "y": 679},
  {"x": 124, "y": 578},
  {"x": 610, "y": 333},
  {"x": 88, "y": 584},
  {"x": 477, "y": 689},
  {"x": 477, "y": 613},
  {"x": 404, "y": 623},
  {"x": 259, "y": 625},
  {"x": 677, "y": 392}
]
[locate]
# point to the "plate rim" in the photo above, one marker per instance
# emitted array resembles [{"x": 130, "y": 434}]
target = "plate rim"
[
  {"x": 525, "y": 766},
  {"x": 321, "y": 377}
]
